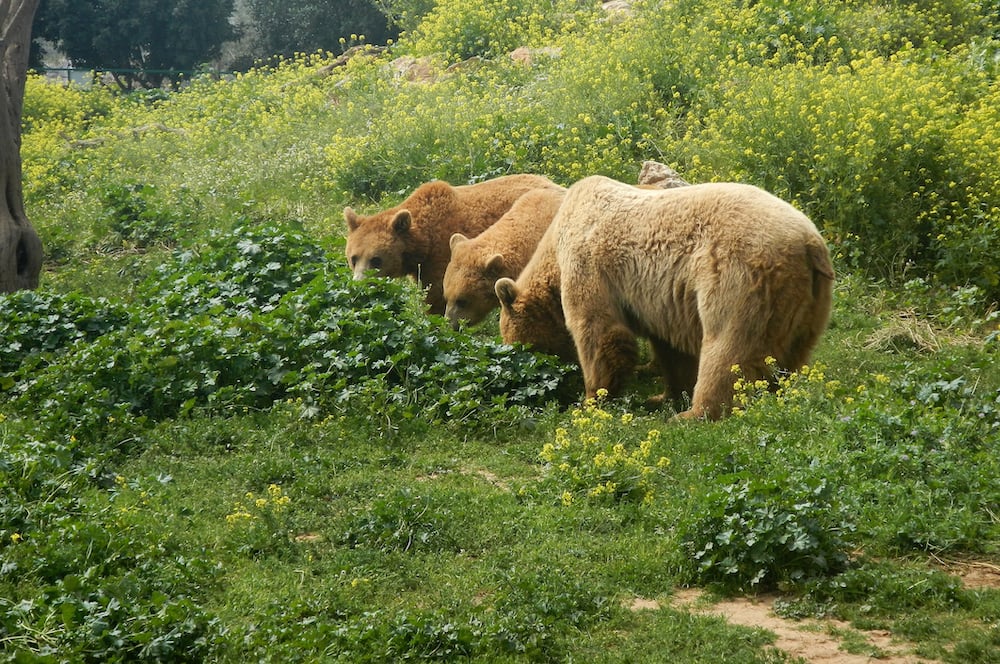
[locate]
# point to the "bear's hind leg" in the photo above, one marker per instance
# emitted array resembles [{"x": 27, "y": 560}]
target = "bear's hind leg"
[{"x": 713, "y": 393}]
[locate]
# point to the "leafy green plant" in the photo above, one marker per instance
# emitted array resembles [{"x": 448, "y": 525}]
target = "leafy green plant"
[
  {"x": 534, "y": 612},
  {"x": 133, "y": 216},
  {"x": 369, "y": 347},
  {"x": 402, "y": 521},
  {"x": 914, "y": 431},
  {"x": 244, "y": 270},
  {"x": 40, "y": 325},
  {"x": 752, "y": 532},
  {"x": 113, "y": 587},
  {"x": 262, "y": 315}
]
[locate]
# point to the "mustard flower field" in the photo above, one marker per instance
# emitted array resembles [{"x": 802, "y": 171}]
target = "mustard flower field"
[{"x": 216, "y": 446}]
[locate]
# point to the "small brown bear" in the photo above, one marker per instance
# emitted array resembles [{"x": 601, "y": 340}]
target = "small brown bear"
[
  {"x": 411, "y": 239},
  {"x": 502, "y": 250},
  {"x": 718, "y": 274}
]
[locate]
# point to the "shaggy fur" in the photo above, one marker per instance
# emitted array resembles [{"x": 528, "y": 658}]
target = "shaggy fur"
[
  {"x": 502, "y": 250},
  {"x": 411, "y": 239},
  {"x": 714, "y": 275}
]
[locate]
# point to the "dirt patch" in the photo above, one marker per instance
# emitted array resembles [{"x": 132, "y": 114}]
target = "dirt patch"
[
  {"x": 482, "y": 473},
  {"x": 640, "y": 604},
  {"x": 975, "y": 575},
  {"x": 823, "y": 640},
  {"x": 812, "y": 640},
  {"x": 308, "y": 537},
  {"x": 493, "y": 479},
  {"x": 985, "y": 577}
]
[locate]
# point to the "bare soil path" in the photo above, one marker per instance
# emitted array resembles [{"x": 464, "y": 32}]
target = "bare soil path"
[
  {"x": 822, "y": 641},
  {"x": 816, "y": 641}
]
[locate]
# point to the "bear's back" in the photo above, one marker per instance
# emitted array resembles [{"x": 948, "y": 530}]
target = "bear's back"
[
  {"x": 478, "y": 206},
  {"x": 609, "y": 222},
  {"x": 518, "y": 231}
]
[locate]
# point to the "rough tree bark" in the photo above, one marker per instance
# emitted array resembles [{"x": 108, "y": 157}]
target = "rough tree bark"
[{"x": 20, "y": 248}]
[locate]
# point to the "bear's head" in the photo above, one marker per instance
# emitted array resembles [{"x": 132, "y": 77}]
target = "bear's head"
[
  {"x": 533, "y": 316},
  {"x": 378, "y": 243},
  {"x": 468, "y": 282}
]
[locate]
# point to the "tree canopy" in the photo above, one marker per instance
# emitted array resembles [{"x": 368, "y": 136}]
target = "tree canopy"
[
  {"x": 145, "y": 36},
  {"x": 306, "y": 26}
]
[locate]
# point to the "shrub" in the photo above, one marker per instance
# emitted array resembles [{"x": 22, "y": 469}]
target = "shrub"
[
  {"x": 833, "y": 142},
  {"x": 967, "y": 235},
  {"x": 260, "y": 315},
  {"x": 40, "y": 325},
  {"x": 258, "y": 524},
  {"x": 57, "y": 106},
  {"x": 711, "y": 33},
  {"x": 754, "y": 532},
  {"x": 595, "y": 109},
  {"x": 407, "y": 14},
  {"x": 490, "y": 29},
  {"x": 592, "y": 458},
  {"x": 135, "y": 219},
  {"x": 445, "y": 134},
  {"x": 110, "y": 585}
]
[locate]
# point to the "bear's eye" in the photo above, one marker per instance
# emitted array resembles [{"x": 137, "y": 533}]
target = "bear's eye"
[
  {"x": 376, "y": 263},
  {"x": 460, "y": 303},
  {"x": 354, "y": 261}
]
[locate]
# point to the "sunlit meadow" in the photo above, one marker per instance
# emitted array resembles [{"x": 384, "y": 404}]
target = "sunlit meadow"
[{"x": 216, "y": 446}]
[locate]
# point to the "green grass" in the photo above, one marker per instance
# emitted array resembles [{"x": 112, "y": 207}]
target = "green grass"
[{"x": 214, "y": 446}]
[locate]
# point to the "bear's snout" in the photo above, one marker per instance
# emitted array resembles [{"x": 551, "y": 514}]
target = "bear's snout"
[{"x": 451, "y": 313}]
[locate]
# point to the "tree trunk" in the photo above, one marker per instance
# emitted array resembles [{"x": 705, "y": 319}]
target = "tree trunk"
[{"x": 20, "y": 248}]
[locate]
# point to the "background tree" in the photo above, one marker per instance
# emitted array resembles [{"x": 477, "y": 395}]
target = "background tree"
[
  {"x": 405, "y": 14},
  {"x": 148, "y": 36},
  {"x": 272, "y": 28},
  {"x": 20, "y": 248}
]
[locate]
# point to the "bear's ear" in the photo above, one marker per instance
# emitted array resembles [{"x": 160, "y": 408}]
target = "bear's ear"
[
  {"x": 351, "y": 217},
  {"x": 401, "y": 222},
  {"x": 456, "y": 240},
  {"x": 495, "y": 264},
  {"x": 506, "y": 291}
]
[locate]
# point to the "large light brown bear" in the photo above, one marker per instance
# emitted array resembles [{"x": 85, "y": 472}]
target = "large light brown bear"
[
  {"x": 714, "y": 275},
  {"x": 502, "y": 250},
  {"x": 411, "y": 239}
]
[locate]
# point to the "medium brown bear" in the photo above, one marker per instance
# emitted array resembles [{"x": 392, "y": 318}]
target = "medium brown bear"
[
  {"x": 715, "y": 275},
  {"x": 411, "y": 239},
  {"x": 502, "y": 250}
]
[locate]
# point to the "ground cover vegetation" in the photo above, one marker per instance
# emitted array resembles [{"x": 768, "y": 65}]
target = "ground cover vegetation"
[{"x": 217, "y": 447}]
